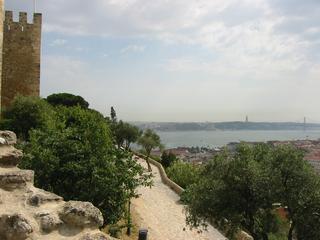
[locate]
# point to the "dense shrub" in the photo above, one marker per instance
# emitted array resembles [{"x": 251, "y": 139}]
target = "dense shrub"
[
  {"x": 77, "y": 160},
  {"x": 71, "y": 151},
  {"x": 167, "y": 159},
  {"x": 27, "y": 113},
  {"x": 184, "y": 174}
]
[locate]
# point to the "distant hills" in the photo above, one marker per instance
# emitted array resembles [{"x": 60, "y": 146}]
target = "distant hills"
[{"x": 223, "y": 126}]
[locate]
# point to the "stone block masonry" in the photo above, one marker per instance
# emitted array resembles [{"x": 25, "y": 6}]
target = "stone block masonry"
[
  {"x": 1, "y": 39},
  {"x": 20, "y": 57}
]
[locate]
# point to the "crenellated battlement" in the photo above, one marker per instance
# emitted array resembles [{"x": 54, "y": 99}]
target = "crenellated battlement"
[
  {"x": 8, "y": 17},
  {"x": 23, "y": 21}
]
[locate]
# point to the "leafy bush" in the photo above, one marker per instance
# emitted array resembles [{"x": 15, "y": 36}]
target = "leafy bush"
[
  {"x": 184, "y": 174},
  {"x": 27, "y": 113},
  {"x": 167, "y": 159},
  {"x": 77, "y": 160}
]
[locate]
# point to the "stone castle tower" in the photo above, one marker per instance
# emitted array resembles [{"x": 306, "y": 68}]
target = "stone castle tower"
[
  {"x": 21, "y": 46},
  {"x": 1, "y": 41}
]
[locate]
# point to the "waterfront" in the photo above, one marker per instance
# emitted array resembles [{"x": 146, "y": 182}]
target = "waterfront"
[{"x": 221, "y": 138}]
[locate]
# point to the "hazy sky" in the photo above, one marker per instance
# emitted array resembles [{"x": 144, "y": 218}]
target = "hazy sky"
[{"x": 184, "y": 60}]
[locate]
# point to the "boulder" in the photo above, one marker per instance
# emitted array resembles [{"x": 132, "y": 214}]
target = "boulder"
[
  {"x": 242, "y": 235},
  {"x": 42, "y": 197},
  {"x": 14, "y": 227},
  {"x": 11, "y": 180},
  {"x": 9, "y": 156},
  {"x": 9, "y": 137},
  {"x": 48, "y": 221},
  {"x": 81, "y": 214}
]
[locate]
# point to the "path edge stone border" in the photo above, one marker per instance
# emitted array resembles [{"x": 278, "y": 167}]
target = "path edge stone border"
[{"x": 175, "y": 187}]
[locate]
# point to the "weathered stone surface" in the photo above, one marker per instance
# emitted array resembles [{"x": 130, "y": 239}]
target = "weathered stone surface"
[
  {"x": 9, "y": 136},
  {"x": 21, "y": 57},
  {"x": 9, "y": 156},
  {"x": 1, "y": 36},
  {"x": 29, "y": 213},
  {"x": 96, "y": 236},
  {"x": 81, "y": 214},
  {"x": 48, "y": 221},
  {"x": 243, "y": 236},
  {"x": 11, "y": 180},
  {"x": 14, "y": 227},
  {"x": 42, "y": 197}
]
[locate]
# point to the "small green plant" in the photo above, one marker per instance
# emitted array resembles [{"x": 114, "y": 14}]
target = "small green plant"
[{"x": 114, "y": 230}]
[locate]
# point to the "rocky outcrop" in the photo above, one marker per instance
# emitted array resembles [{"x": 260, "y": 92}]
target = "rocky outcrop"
[
  {"x": 81, "y": 214},
  {"x": 29, "y": 213}
]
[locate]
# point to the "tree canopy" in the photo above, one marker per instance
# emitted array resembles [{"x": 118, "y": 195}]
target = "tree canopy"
[
  {"x": 239, "y": 191},
  {"x": 67, "y": 100},
  {"x": 71, "y": 150},
  {"x": 125, "y": 134},
  {"x": 149, "y": 140},
  {"x": 27, "y": 113},
  {"x": 298, "y": 189}
]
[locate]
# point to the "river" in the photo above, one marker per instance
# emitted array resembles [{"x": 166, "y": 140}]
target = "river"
[{"x": 221, "y": 138}]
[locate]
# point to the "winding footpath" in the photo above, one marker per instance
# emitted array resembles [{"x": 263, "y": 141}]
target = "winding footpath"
[{"x": 161, "y": 213}]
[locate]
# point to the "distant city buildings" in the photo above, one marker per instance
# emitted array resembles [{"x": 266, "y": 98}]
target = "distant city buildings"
[{"x": 200, "y": 155}]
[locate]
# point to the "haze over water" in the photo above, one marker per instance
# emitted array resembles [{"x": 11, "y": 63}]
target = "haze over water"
[{"x": 221, "y": 138}]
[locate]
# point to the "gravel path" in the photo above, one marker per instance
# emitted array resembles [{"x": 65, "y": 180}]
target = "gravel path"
[{"x": 163, "y": 216}]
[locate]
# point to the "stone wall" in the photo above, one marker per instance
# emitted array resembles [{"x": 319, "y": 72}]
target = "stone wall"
[
  {"x": 1, "y": 39},
  {"x": 27, "y": 212},
  {"x": 21, "y": 57}
]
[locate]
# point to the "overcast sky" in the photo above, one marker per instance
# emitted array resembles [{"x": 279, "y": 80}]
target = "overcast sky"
[{"x": 184, "y": 60}]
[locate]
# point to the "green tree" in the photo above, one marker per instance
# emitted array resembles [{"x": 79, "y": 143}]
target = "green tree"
[
  {"x": 79, "y": 155},
  {"x": 27, "y": 113},
  {"x": 149, "y": 140},
  {"x": 184, "y": 174},
  {"x": 131, "y": 135},
  {"x": 243, "y": 187},
  {"x": 118, "y": 133},
  {"x": 237, "y": 188},
  {"x": 297, "y": 190},
  {"x": 67, "y": 99},
  {"x": 113, "y": 115},
  {"x": 307, "y": 225},
  {"x": 125, "y": 134},
  {"x": 167, "y": 159}
]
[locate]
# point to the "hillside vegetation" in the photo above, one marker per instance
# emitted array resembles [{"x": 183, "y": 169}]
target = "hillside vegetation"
[{"x": 73, "y": 152}]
